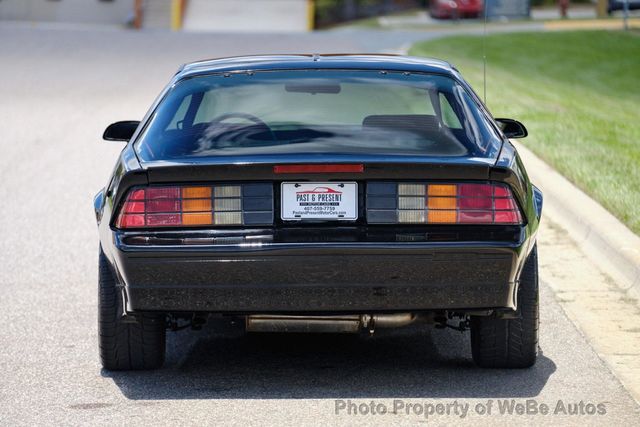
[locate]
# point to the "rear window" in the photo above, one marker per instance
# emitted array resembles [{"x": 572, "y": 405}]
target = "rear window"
[{"x": 317, "y": 111}]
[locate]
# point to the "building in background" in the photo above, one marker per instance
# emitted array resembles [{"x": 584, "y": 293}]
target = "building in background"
[
  {"x": 248, "y": 15},
  {"x": 110, "y": 12},
  {"x": 196, "y": 15},
  {"x": 203, "y": 15}
]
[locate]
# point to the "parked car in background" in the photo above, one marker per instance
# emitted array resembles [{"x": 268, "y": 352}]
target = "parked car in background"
[
  {"x": 619, "y": 5},
  {"x": 456, "y": 9}
]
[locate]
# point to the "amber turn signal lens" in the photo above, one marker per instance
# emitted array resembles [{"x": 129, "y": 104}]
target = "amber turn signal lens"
[
  {"x": 442, "y": 217},
  {"x": 441, "y": 202},
  {"x": 442, "y": 190},
  {"x": 196, "y": 205},
  {"x": 197, "y": 218},
  {"x": 196, "y": 192}
]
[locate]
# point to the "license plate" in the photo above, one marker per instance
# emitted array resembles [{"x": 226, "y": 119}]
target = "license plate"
[{"x": 335, "y": 201}]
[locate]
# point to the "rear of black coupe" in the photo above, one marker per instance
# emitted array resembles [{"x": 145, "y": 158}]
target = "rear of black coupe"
[{"x": 318, "y": 194}]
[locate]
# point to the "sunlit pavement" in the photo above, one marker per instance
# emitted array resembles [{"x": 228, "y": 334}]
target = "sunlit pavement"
[{"x": 59, "y": 88}]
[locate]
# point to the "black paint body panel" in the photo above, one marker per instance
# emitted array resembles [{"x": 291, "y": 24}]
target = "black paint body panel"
[
  {"x": 354, "y": 278},
  {"x": 319, "y": 267}
]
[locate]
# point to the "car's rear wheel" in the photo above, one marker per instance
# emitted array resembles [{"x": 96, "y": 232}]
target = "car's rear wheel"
[
  {"x": 510, "y": 343},
  {"x": 123, "y": 346}
]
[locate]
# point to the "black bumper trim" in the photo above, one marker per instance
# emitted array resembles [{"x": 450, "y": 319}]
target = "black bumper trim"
[{"x": 319, "y": 277}]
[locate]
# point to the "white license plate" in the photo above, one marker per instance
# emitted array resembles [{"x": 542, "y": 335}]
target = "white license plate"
[{"x": 319, "y": 201}]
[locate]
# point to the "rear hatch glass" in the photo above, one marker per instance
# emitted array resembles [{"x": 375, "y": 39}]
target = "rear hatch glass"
[{"x": 317, "y": 111}]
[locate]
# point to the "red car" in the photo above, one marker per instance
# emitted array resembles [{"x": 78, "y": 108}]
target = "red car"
[{"x": 455, "y": 9}]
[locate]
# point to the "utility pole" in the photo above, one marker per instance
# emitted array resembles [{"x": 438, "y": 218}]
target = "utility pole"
[
  {"x": 601, "y": 8},
  {"x": 311, "y": 15},
  {"x": 137, "y": 11}
]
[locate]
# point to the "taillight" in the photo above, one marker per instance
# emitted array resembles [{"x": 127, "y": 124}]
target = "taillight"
[
  {"x": 441, "y": 203},
  {"x": 196, "y": 206}
]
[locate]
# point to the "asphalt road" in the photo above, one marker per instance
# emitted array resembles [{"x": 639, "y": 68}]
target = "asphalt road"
[{"x": 58, "y": 90}]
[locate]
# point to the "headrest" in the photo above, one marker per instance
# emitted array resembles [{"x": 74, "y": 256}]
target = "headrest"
[{"x": 407, "y": 122}]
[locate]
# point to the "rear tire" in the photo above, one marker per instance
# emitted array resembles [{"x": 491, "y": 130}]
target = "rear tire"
[
  {"x": 511, "y": 343},
  {"x": 125, "y": 346}
]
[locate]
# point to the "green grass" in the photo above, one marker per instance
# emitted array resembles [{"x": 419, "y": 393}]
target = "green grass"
[{"x": 577, "y": 92}]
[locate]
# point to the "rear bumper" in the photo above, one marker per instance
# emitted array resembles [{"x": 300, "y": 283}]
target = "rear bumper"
[{"x": 319, "y": 277}]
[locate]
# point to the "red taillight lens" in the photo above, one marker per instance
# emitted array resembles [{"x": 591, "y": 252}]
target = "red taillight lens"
[
  {"x": 131, "y": 221},
  {"x": 475, "y": 190},
  {"x": 487, "y": 203},
  {"x": 181, "y": 206},
  {"x": 134, "y": 207},
  {"x": 163, "y": 220},
  {"x": 438, "y": 203}
]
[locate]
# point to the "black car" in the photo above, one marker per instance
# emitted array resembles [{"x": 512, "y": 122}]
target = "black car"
[
  {"x": 318, "y": 193},
  {"x": 620, "y": 5}
]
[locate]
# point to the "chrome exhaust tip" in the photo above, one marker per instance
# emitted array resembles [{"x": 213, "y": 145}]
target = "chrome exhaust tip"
[{"x": 327, "y": 324}]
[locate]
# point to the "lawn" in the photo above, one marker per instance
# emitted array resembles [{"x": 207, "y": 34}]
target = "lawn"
[{"x": 578, "y": 93}]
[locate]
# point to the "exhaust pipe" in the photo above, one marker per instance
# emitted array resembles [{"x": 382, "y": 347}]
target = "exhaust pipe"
[{"x": 328, "y": 324}]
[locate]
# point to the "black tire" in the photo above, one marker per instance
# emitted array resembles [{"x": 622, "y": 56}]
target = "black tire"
[
  {"x": 125, "y": 346},
  {"x": 511, "y": 343}
]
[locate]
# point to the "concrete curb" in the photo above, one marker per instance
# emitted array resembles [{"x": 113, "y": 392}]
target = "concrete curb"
[{"x": 604, "y": 239}]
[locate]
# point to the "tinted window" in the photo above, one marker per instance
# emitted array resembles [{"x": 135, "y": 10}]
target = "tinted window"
[{"x": 317, "y": 111}]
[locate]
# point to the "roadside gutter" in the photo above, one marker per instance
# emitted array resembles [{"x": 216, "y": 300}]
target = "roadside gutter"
[{"x": 605, "y": 240}]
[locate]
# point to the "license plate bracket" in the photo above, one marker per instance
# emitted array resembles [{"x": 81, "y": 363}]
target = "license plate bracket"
[{"x": 319, "y": 201}]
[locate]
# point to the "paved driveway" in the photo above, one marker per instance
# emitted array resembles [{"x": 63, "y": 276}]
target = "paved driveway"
[{"x": 58, "y": 90}]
